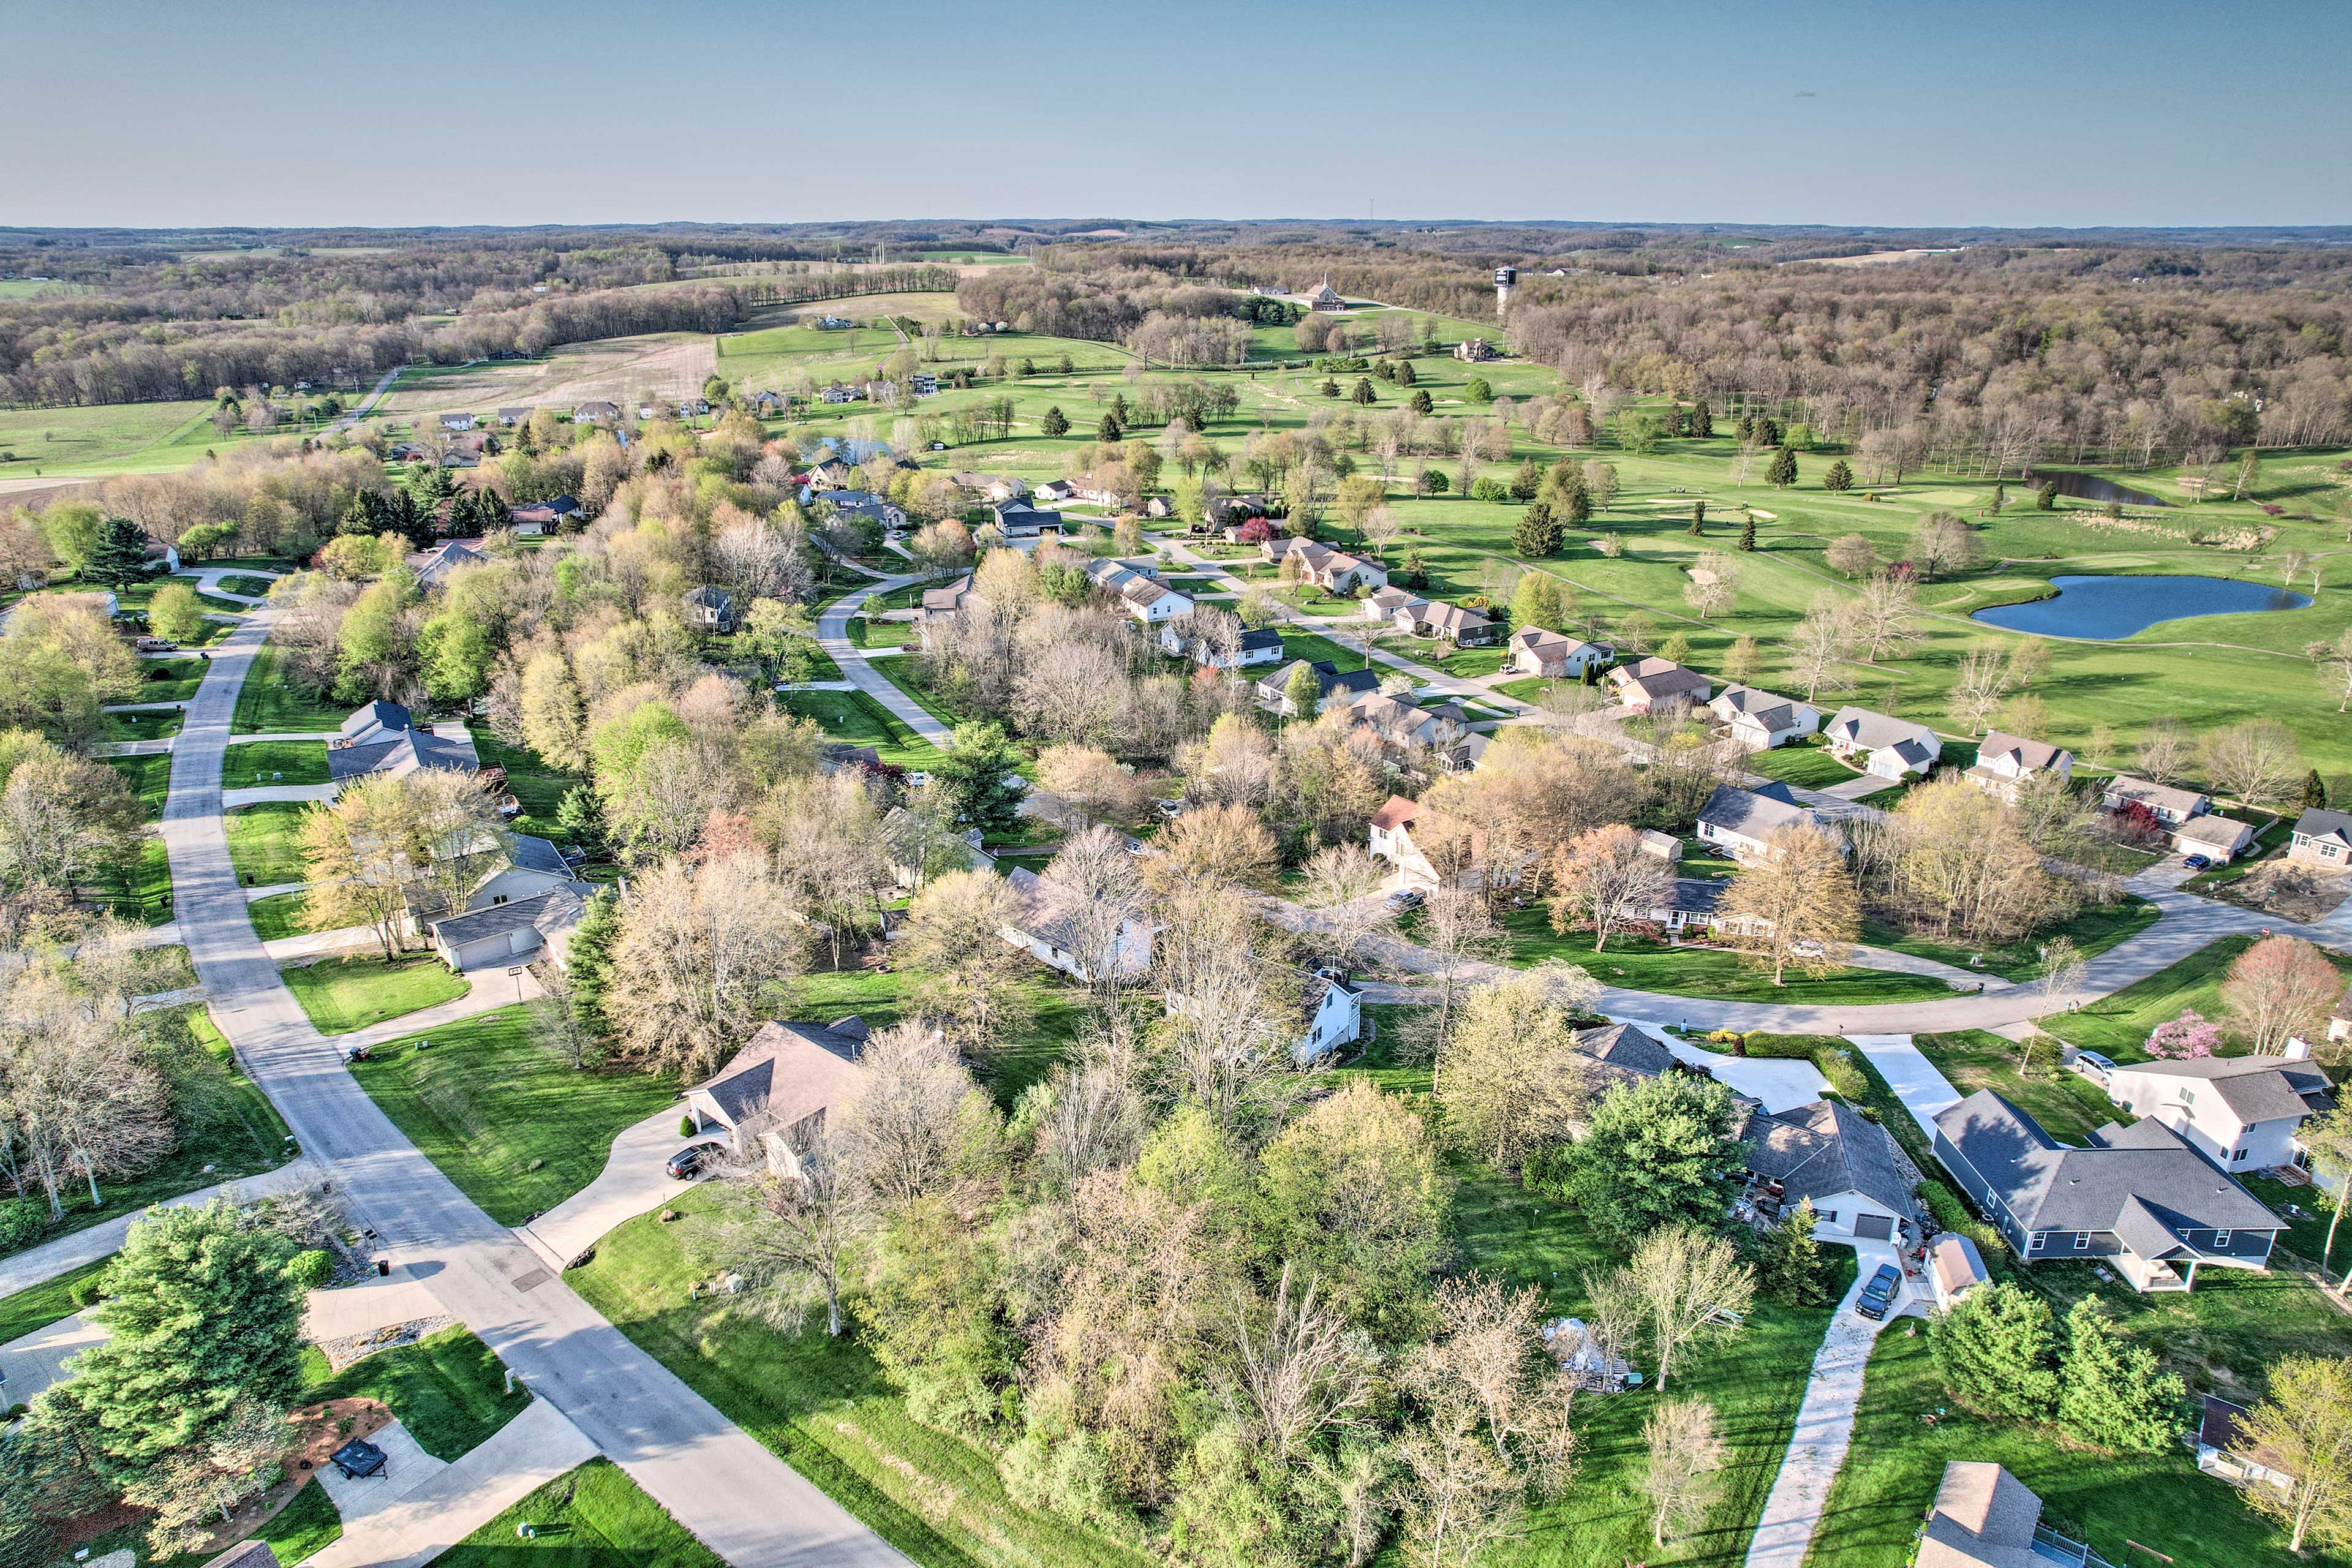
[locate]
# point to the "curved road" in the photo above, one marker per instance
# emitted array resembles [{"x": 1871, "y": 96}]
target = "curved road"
[{"x": 740, "y": 1500}]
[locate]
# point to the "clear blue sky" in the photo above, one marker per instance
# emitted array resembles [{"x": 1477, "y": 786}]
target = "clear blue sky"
[{"x": 254, "y": 111}]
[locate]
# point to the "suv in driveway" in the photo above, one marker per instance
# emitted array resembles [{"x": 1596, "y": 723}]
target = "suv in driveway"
[
  {"x": 2094, "y": 1066},
  {"x": 688, "y": 1162},
  {"x": 1879, "y": 1294}
]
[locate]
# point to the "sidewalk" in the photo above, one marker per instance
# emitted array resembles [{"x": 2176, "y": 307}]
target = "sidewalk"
[
  {"x": 410, "y": 1528},
  {"x": 29, "y": 1268}
]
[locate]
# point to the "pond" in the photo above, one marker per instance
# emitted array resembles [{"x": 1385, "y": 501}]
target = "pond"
[
  {"x": 2090, "y": 487},
  {"x": 2103, "y": 609}
]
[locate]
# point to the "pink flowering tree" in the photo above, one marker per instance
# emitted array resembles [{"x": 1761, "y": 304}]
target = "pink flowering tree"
[{"x": 2190, "y": 1034}]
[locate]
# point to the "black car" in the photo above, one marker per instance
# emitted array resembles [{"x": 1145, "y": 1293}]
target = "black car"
[
  {"x": 688, "y": 1162},
  {"x": 1879, "y": 1293}
]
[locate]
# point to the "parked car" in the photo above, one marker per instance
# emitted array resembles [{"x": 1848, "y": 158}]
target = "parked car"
[
  {"x": 1406, "y": 900},
  {"x": 688, "y": 1162},
  {"x": 2195, "y": 862},
  {"x": 1879, "y": 1294},
  {"x": 2093, "y": 1065}
]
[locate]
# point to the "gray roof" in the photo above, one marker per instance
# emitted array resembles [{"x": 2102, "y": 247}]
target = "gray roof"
[
  {"x": 947, "y": 595},
  {"x": 1820, "y": 1150},
  {"x": 2134, "y": 1181},
  {"x": 253, "y": 1554},
  {"x": 1880, "y": 732},
  {"x": 545, "y": 911},
  {"x": 1983, "y": 1517},
  {"x": 1452, "y": 617},
  {"x": 2255, "y": 1088},
  {"x": 532, "y": 854},
  {"x": 1695, "y": 895},
  {"x": 1774, "y": 712},
  {"x": 2028, "y": 753},
  {"x": 792, "y": 1070},
  {"x": 2321, "y": 823},
  {"x": 406, "y": 753},
  {"x": 375, "y": 716},
  {"x": 710, "y": 597},
  {"x": 1622, "y": 1052},
  {"x": 1754, "y": 814},
  {"x": 1263, "y": 637},
  {"x": 445, "y": 560},
  {"x": 1657, "y": 678},
  {"x": 2156, "y": 796}
]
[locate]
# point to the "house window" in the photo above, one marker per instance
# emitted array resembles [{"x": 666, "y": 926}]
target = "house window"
[
  {"x": 2237, "y": 1156},
  {"x": 1829, "y": 1217},
  {"x": 2037, "y": 1241},
  {"x": 2081, "y": 1241},
  {"x": 2221, "y": 1238}
]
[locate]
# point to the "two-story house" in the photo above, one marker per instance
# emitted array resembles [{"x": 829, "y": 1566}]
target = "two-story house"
[
  {"x": 2243, "y": 1112},
  {"x": 1329, "y": 1014}
]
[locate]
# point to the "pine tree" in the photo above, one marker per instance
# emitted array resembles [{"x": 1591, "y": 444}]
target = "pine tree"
[
  {"x": 1767, "y": 432},
  {"x": 1994, "y": 1349},
  {"x": 1697, "y": 529},
  {"x": 2314, "y": 791},
  {"x": 1576, "y": 508},
  {"x": 1746, "y": 428},
  {"x": 1055, "y": 422},
  {"x": 121, "y": 558},
  {"x": 1106, "y": 430},
  {"x": 1525, "y": 480},
  {"x": 588, "y": 961},
  {"x": 201, "y": 1320},
  {"x": 1748, "y": 534},
  {"x": 1329, "y": 388},
  {"x": 1538, "y": 532},
  {"x": 1405, "y": 376},
  {"x": 2046, "y": 498},
  {"x": 1790, "y": 1260},
  {"x": 1700, "y": 424},
  {"x": 1783, "y": 471},
  {"x": 1839, "y": 479},
  {"x": 2112, "y": 1394},
  {"x": 363, "y": 515},
  {"x": 1999, "y": 498},
  {"x": 1670, "y": 421},
  {"x": 1364, "y": 392},
  {"x": 1420, "y": 403},
  {"x": 1416, "y": 575}
]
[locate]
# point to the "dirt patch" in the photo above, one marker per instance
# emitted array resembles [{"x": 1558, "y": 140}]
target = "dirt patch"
[
  {"x": 2290, "y": 891},
  {"x": 341, "y": 1352},
  {"x": 660, "y": 365}
]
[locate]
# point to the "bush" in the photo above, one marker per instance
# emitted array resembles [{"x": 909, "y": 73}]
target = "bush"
[
  {"x": 312, "y": 1269},
  {"x": 686, "y": 1125},
  {"x": 22, "y": 1224},
  {"x": 88, "y": 1292}
]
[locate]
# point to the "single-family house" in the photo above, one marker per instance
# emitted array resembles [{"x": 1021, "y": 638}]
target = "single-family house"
[
  {"x": 1262, "y": 645},
  {"x": 2222, "y": 1448},
  {"x": 2168, "y": 805},
  {"x": 597, "y": 411},
  {"x": 2142, "y": 1199},
  {"x": 992, "y": 487},
  {"x": 923, "y": 383},
  {"x": 2004, "y": 762},
  {"x": 372, "y": 722},
  {"x": 1689, "y": 903},
  {"x": 399, "y": 753},
  {"x": 1019, "y": 519},
  {"x": 1859, "y": 1181},
  {"x": 1382, "y": 603},
  {"x": 1474, "y": 351},
  {"x": 2322, "y": 839},
  {"x": 1648, "y": 683},
  {"x": 1152, "y": 602},
  {"x": 1742, "y": 821},
  {"x": 533, "y": 520},
  {"x": 1056, "y": 490},
  {"x": 511, "y": 417},
  {"x": 1986, "y": 1518},
  {"x": 864, "y": 504},
  {"x": 502, "y": 935},
  {"x": 1452, "y": 624},
  {"x": 710, "y": 609},
  {"x": 911, "y": 853},
  {"x": 1329, "y": 1012},
  {"x": 433, "y": 568},
  {"x": 767, "y": 405},
  {"x": 774, "y": 1092},
  {"x": 456, "y": 422},
  {"x": 2219, "y": 838},
  {"x": 1535, "y": 651},
  {"x": 1761, "y": 721},
  {"x": 1954, "y": 1267},
  {"x": 1881, "y": 745},
  {"x": 828, "y": 474},
  {"x": 2242, "y": 1112},
  {"x": 1321, "y": 566},
  {"x": 948, "y": 597},
  {"x": 1055, "y": 927},
  {"x": 1333, "y": 687},
  {"x": 1422, "y": 846},
  {"x": 1401, "y": 726},
  {"x": 836, "y": 392},
  {"x": 1616, "y": 1054}
]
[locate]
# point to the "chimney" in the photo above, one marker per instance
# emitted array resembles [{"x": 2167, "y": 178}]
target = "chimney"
[{"x": 2296, "y": 1049}]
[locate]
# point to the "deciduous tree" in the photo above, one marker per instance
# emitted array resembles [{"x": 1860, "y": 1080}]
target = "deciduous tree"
[
  {"x": 2303, "y": 1430},
  {"x": 1796, "y": 903},
  {"x": 1511, "y": 1082},
  {"x": 2281, "y": 988}
]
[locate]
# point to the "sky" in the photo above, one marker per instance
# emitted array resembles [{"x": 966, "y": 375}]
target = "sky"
[{"x": 2066, "y": 112}]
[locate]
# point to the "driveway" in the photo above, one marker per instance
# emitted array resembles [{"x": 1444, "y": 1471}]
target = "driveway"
[
  {"x": 424, "y": 1506},
  {"x": 633, "y": 1182},
  {"x": 742, "y": 1501},
  {"x": 1780, "y": 1084},
  {"x": 1923, "y": 1090},
  {"x": 32, "y": 1363}
]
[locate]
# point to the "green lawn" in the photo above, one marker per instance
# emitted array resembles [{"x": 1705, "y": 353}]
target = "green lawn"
[
  {"x": 146, "y": 726},
  {"x": 866, "y": 632},
  {"x": 251, "y": 587},
  {"x": 904, "y": 673},
  {"x": 250, "y": 764},
  {"x": 1057, "y": 1010},
  {"x": 822, "y": 1405},
  {"x": 2161, "y": 1500},
  {"x": 1316, "y": 649},
  {"x": 2068, "y": 1106},
  {"x": 150, "y": 778},
  {"x": 448, "y": 1389},
  {"x": 2118, "y": 1025},
  {"x": 1636, "y": 966},
  {"x": 141, "y": 891},
  {"x": 1808, "y": 767},
  {"x": 276, "y": 917},
  {"x": 1464, "y": 663},
  {"x": 304, "y": 1525},
  {"x": 267, "y": 705},
  {"x": 595, "y": 1517},
  {"x": 38, "y": 1306},
  {"x": 262, "y": 843},
  {"x": 341, "y": 995},
  {"x": 169, "y": 680},
  {"x": 859, "y": 720},
  {"x": 541, "y": 789},
  {"x": 2092, "y": 929},
  {"x": 515, "y": 1126}
]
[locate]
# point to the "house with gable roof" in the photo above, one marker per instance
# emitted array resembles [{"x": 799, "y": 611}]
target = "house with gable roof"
[
  {"x": 2242, "y": 1112},
  {"x": 2004, "y": 762},
  {"x": 776, "y": 1091},
  {"x": 1743, "y": 821},
  {"x": 1535, "y": 651},
  {"x": 1046, "y": 923},
  {"x": 1881, "y": 745},
  {"x": 1648, "y": 683},
  {"x": 1761, "y": 721},
  {"x": 2322, "y": 839}
]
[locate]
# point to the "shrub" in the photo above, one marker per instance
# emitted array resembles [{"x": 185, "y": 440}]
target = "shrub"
[
  {"x": 1787, "y": 1048},
  {"x": 312, "y": 1269},
  {"x": 22, "y": 1224},
  {"x": 686, "y": 1125},
  {"x": 1845, "y": 1079}
]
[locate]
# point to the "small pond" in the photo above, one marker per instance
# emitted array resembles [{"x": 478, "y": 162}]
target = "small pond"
[
  {"x": 2103, "y": 609},
  {"x": 2091, "y": 487}
]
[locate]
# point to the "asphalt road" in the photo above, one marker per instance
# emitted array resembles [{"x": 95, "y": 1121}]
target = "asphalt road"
[{"x": 740, "y": 1500}]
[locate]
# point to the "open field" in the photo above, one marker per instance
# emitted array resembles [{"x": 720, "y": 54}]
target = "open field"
[
  {"x": 120, "y": 439},
  {"x": 622, "y": 370}
]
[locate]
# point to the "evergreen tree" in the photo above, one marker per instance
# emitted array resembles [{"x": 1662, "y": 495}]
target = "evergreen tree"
[
  {"x": 974, "y": 776},
  {"x": 1027, "y": 368},
  {"x": 1477, "y": 390},
  {"x": 1364, "y": 392},
  {"x": 1840, "y": 478},
  {"x": 1303, "y": 690},
  {"x": 1405, "y": 376},
  {"x": 1538, "y": 532},
  {"x": 434, "y": 485},
  {"x": 579, "y": 818},
  {"x": 1698, "y": 520},
  {"x": 1420, "y": 403},
  {"x": 363, "y": 515},
  {"x": 1670, "y": 420},
  {"x": 1748, "y": 534},
  {"x": 1767, "y": 432},
  {"x": 1106, "y": 430},
  {"x": 1576, "y": 508},
  {"x": 1120, "y": 410},
  {"x": 2046, "y": 498},
  {"x": 2112, "y": 1394},
  {"x": 1999, "y": 498},
  {"x": 1525, "y": 480},
  {"x": 1789, "y": 1260},
  {"x": 1329, "y": 388},
  {"x": 1656, "y": 1151},
  {"x": 1994, "y": 1349},
  {"x": 588, "y": 961},
  {"x": 1066, "y": 367},
  {"x": 1416, "y": 575},
  {"x": 2314, "y": 791},
  {"x": 1783, "y": 471},
  {"x": 200, "y": 1321},
  {"x": 1700, "y": 424},
  {"x": 121, "y": 558},
  {"x": 414, "y": 522},
  {"x": 1746, "y": 428},
  {"x": 1055, "y": 422}
]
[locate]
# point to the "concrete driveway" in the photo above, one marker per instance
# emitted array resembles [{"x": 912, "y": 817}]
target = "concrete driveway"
[
  {"x": 633, "y": 1182},
  {"x": 1923, "y": 1090},
  {"x": 1779, "y": 1084}
]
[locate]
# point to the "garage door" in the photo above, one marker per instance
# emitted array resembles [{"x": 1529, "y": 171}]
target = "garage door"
[{"x": 1874, "y": 1226}]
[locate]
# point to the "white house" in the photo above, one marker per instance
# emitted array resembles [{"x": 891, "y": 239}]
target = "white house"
[
  {"x": 1382, "y": 603},
  {"x": 710, "y": 609},
  {"x": 1153, "y": 603},
  {"x": 1881, "y": 745},
  {"x": 2242, "y": 1112},
  {"x": 1954, "y": 1267},
  {"x": 1331, "y": 1014},
  {"x": 1742, "y": 821},
  {"x": 1535, "y": 651},
  {"x": 1760, "y": 721},
  {"x": 1404, "y": 727},
  {"x": 1261, "y": 646},
  {"x": 373, "y": 723},
  {"x": 2004, "y": 762},
  {"x": 1391, "y": 839},
  {"x": 1325, "y": 567},
  {"x": 1048, "y": 923}
]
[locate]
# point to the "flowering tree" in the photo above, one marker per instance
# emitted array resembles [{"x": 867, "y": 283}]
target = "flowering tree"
[{"x": 2190, "y": 1034}]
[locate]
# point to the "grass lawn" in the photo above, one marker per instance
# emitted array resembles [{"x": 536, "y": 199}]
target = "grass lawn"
[
  {"x": 251, "y": 587},
  {"x": 595, "y": 1517},
  {"x": 141, "y": 891},
  {"x": 514, "y": 1125},
  {"x": 1057, "y": 1009},
  {"x": 1636, "y": 965},
  {"x": 38, "y": 1306},
  {"x": 866, "y": 632},
  {"x": 304, "y": 1525},
  {"x": 276, "y": 917},
  {"x": 150, "y": 778},
  {"x": 1316, "y": 649},
  {"x": 2092, "y": 929},
  {"x": 860, "y": 720},
  {"x": 903, "y": 673},
  {"x": 341, "y": 995},
  {"x": 1808, "y": 767},
  {"x": 2067, "y": 1105},
  {"x": 540, "y": 788},
  {"x": 255, "y": 763},
  {"x": 169, "y": 680},
  {"x": 262, "y": 845},
  {"x": 2161, "y": 1500},
  {"x": 448, "y": 1389},
  {"x": 1463, "y": 663},
  {"x": 822, "y": 1407},
  {"x": 2118, "y": 1025},
  {"x": 155, "y": 726},
  {"x": 267, "y": 705}
]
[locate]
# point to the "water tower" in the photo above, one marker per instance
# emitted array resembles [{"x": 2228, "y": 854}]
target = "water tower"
[{"x": 1503, "y": 277}]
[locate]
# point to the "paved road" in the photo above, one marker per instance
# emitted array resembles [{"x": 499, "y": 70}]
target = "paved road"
[
  {"x": 833, "y": 636},
  {"x": 740, "y": 1499},
  {"x": 360, "y": 409}
]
